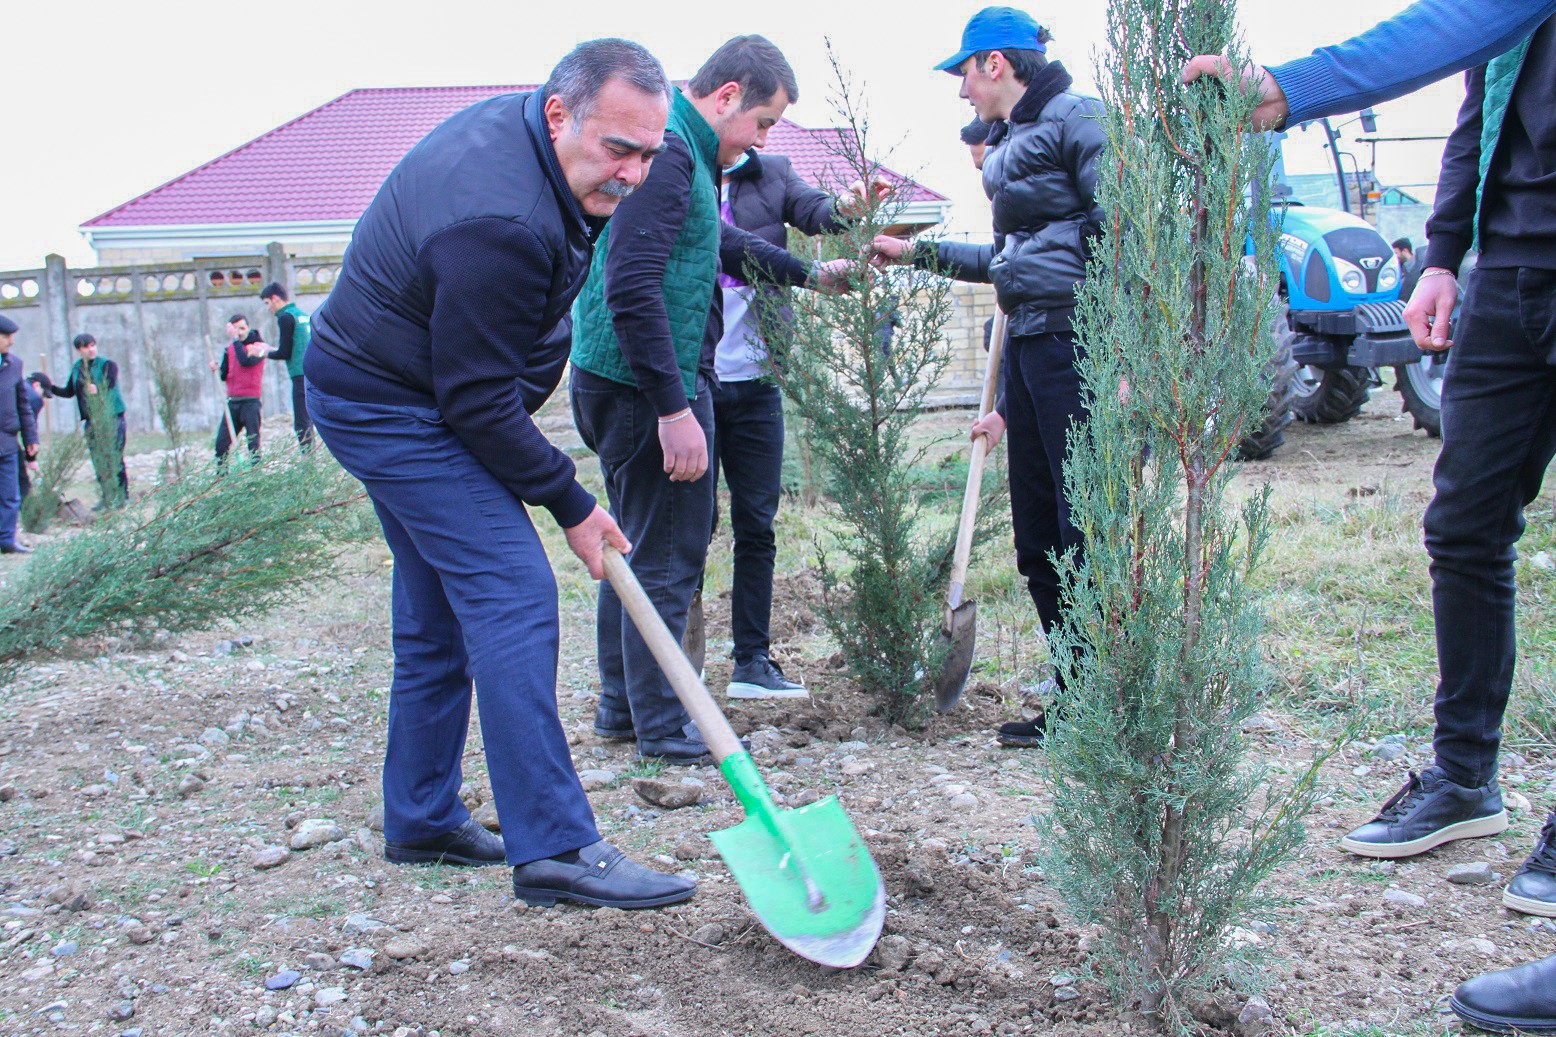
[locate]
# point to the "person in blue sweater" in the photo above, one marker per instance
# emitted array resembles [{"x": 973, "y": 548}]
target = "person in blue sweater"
[
  {"x": 447, "y": 330},
  {"x": 1497, "y": 193}
]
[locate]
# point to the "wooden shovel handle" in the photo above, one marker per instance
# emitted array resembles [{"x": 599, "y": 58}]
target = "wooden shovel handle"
[
  {"x": 689, "y": 688},
  {"x": 980, "y": 450}
]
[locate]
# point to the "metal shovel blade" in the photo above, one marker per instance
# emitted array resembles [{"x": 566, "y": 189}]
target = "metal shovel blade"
[
  {"x": 958, "y": 638},
  {"x": 806, "y": 873},
  {"x": 695, "y": 641}
]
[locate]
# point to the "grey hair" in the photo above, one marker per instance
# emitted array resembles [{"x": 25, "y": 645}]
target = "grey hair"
[{"x": 579, "y": 77}]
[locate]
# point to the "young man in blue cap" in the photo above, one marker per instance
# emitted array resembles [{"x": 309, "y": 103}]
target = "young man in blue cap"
[{"x": 1040, "y": 173}]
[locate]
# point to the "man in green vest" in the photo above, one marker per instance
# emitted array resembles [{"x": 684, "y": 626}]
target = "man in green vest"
[
  {"x": 645, "y": 328},
  {"x": 292, "y": 335},
  {"x": 94, "y": 382}
]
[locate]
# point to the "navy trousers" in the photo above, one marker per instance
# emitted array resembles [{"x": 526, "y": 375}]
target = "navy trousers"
[
  {"x": 10, "y": 497},
  {"x": 1499, "y": 434},
  {"x": 474, "y": 599}
]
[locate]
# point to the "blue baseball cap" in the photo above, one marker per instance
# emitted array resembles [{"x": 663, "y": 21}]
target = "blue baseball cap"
[{"x": 996, "y": 28}]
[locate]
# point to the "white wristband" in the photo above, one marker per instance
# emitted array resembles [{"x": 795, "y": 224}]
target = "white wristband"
[{"x": 670, "y": 421}]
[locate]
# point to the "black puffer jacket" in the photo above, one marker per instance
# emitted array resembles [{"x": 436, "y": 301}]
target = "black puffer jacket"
[{"x": 1040, "y": 173}]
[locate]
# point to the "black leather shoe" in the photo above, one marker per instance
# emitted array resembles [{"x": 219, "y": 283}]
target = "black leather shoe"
[
  {"x": 613, "y": 726},
  {"x": 684, "y": 749},
  {"x": 1518, "y": 1000},
  {"x": 1428, "y": 812},
  {"x": 1533, "y": 889},
  {"x": 15, "y": 549},
  {"x": 469, "y": 844},
  {"x": 601, "y": 876}
]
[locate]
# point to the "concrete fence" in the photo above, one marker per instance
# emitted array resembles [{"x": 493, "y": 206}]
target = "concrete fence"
[{"x": 177, "y": 308}]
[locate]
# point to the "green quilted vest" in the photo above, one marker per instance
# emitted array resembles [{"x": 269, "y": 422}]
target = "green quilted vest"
[
  {"x": 99, "y": 373},
  {"x": 1501, "y": 77},
  {"x": 691, "y": 272},
  {"x": 300, "y": 338}
]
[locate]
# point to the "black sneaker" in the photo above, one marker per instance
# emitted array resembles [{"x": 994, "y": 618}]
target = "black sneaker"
[
  {"x": 1028, "y": 734},
  {"x": 760, "y": 678},
  {"x": 600, "y": 876},
  {"x": 469, "y": 844},
  {"x": 1518, "y": 1000},
  {"x": 1533, "y": 889},
  {"x": 1429, "y": 811}
]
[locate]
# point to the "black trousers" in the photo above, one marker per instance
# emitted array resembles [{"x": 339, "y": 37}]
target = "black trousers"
[
  {"x": 668, "y": 524},
  {"x": 748, "y": 447},
  {"x": 1499, "y": 434},
  {"x": 302, "y": 424},
  {"x": 1042, "y": 401},
  {"x": 245, "y": 419}
]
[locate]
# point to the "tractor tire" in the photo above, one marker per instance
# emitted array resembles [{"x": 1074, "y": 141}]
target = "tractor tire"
[
  {"x": 1328, "y": 396},
  {"x": 1268, "y": 437},
  {"x": 1421, "y": 386}
]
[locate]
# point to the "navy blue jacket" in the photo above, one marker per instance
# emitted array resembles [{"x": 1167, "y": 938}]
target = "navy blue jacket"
[
  {"x": 455, "y": 292},
  {"x": 16, "y": 413}
]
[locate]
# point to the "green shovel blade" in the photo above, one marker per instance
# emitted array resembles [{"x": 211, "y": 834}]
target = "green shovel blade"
[{"x": 806, "y": 873}]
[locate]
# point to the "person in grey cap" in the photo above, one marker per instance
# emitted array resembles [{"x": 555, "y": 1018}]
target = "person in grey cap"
[{"x": 15, "y": 416}]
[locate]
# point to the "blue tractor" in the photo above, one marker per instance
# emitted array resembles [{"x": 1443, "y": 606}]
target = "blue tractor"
[{"x": 1341, "y": 322}]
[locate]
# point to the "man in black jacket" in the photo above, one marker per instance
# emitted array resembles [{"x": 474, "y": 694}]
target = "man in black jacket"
[
  {"x": 16, "y": 416},
  {"x": 445, "y": 333},
  {"x": 1040, "y": 173},
  {"x": 764, "y": 195}
]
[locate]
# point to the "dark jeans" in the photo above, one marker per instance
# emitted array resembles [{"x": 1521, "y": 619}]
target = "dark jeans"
[
  {"x": 1042, "y": 401},
  {"x": 118, "y": 441},
  {"x": 10, "y": 498},
  {"x": 302, "y": 424},
  {"x": 1499, "y": 434},
  {"x": 667, "y": 523},
  {"x": 748, "y": 446},
  {"x": 245, "y": 419},
  {"x": 474, "y": 599}
]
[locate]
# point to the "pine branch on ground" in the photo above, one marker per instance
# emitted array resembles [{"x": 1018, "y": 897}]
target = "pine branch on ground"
[
  {"x": 208, "y": 546},
  {"x": 1162, "y": 829}
]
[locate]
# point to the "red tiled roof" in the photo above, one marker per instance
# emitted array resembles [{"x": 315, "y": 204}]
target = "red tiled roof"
[{"x": 326, "y": 165}]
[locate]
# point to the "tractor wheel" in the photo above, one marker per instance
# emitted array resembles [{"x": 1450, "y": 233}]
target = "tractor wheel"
[
  {"x": 1282, "y": 372},
  {"x": 1421, "y": 385},
  {"x": 1328, "y": 396}
]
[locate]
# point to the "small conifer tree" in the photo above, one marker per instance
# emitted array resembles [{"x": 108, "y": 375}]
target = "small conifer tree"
[
  {"x": 858, "y": 395},
  {"x": 56, "y": 467},
  {"x": 1162, "y": 829},
  {"x": 102, "y": 441},
  {"x": 173, "y": 390}
]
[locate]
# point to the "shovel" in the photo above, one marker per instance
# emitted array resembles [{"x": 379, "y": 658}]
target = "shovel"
[
  {"x": 959, "y": 630},
  {"x": 808, "y": 876}
]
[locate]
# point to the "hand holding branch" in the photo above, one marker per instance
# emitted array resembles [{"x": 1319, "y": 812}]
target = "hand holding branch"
[{"x": 1272, "y": 108}]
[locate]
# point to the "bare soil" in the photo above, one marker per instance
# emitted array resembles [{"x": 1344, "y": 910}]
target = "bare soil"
[{"x": 142, "y": 783}]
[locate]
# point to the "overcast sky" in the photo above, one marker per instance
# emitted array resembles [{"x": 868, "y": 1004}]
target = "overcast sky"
[{"x": 106, "y": 100}]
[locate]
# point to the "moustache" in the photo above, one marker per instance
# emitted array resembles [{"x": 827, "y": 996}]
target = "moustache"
[{"x": 616, "y": 189}]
